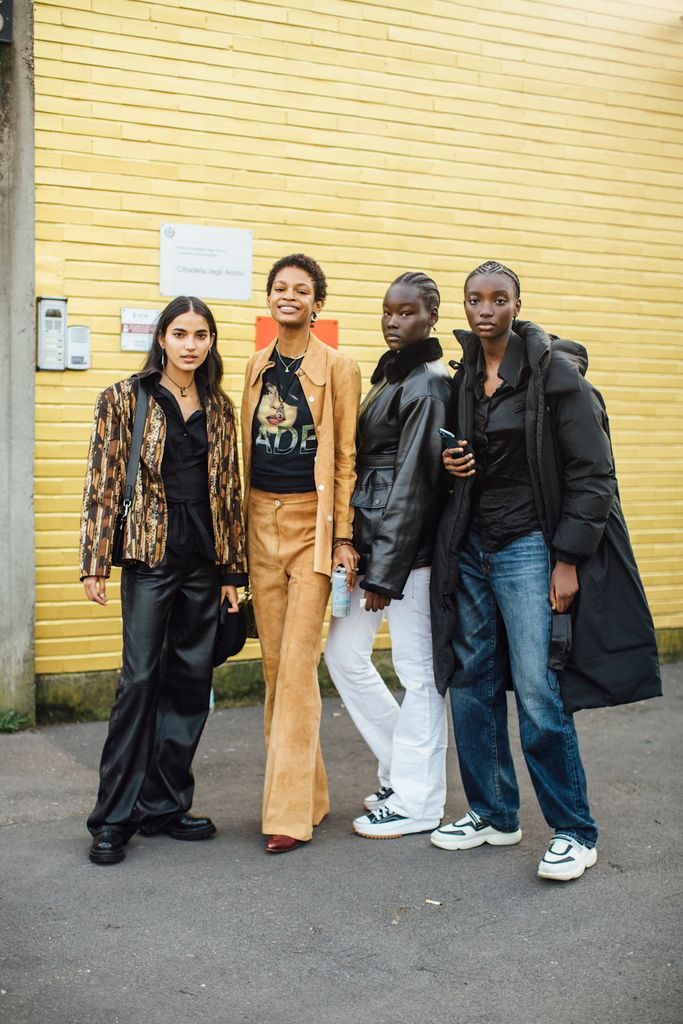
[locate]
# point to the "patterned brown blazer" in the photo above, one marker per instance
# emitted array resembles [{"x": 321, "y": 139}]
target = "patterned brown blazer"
[{"x": 147, "y": 523}]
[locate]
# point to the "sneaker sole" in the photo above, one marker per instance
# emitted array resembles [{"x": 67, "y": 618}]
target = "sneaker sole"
[
  {"x": 444, "y": 842},
  {"x": 394, "y": 835},
  {"x": 570, "y": 876}
]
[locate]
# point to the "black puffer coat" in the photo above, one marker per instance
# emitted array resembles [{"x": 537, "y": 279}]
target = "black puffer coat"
[
  {"x": 613, "y": 658},
  {"x": 401, "y": 486}
]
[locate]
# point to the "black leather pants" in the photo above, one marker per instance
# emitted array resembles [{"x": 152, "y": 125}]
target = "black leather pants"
[{"x": 162, "y": 701}]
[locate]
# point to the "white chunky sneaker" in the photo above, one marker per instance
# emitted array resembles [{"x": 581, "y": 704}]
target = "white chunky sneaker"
[
  {"x": 378, "y": 799},
  {"x": 472, "y": 831},
  {"x": 386, "y": 823},
  {"x": 566, "y": 858}
]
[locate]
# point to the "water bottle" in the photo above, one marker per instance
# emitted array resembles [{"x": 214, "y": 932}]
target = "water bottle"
[{"x": 341, "y": 597}]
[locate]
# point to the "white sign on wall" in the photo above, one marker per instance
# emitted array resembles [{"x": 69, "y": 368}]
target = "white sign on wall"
[
  {"x": 137, "y": 328},
  {"x": 212, "y": 263}
]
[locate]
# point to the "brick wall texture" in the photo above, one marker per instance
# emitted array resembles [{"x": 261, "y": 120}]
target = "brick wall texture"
[{"x": 378, "y": 136}]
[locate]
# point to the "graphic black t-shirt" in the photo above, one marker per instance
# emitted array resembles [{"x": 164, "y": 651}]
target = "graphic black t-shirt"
[{"x": 284, "y": 442}]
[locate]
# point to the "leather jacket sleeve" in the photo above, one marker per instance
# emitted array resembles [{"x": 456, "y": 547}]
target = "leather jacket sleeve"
[{"x": 418, "y": 481}]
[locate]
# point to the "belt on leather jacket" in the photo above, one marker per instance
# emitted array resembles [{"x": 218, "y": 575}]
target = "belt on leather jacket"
[{"x": 376, "y": 462}]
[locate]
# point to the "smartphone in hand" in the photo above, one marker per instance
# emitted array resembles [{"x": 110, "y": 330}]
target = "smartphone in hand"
[{"x": 449, "y": 440}]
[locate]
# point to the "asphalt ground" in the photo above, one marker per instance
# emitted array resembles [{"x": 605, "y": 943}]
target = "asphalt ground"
[{"x": 345, "y": 929}]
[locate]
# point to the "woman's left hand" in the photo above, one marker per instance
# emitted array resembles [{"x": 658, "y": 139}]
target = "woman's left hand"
[
  {"x": 346, "y": 555},
  {"x": 564, "y": 586},
  {"x": 229, "y": 594},
  {"x": 375, "y": 602}
]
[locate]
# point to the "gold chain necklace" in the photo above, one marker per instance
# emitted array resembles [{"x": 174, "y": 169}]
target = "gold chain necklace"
[{"x": 288, "y": 361}]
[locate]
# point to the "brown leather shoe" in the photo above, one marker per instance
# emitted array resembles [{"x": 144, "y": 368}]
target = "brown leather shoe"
[{"x": 282, "y": 844}]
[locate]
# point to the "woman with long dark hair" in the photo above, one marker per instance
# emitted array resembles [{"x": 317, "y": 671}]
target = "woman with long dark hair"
[
  {"x": 298, "y": 429},
  {"x": 182, "y": 555}
]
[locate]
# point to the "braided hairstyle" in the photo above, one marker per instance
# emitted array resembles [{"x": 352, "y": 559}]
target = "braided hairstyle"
[
  {"x": 493, "y": 267},
  {"x": 424, "y": 284}
]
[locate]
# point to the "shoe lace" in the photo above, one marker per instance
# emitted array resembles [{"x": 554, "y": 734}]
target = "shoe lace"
[{"x": 382, "y": 813}]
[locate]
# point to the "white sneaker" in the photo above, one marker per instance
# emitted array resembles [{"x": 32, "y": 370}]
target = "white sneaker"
[
  {"x": 566, "y": 858},
  {"x": 472, "y": 831},
  {"x": 378, "y": 799},
  {"x": 385, "y": 823}
]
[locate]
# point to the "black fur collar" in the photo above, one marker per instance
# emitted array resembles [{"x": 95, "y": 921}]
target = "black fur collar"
[{"x": 396, "y": 366}]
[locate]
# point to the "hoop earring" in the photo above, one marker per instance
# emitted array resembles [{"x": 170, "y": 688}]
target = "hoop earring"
[
  {"x": 314, "y": 317},
  {"x": 163, "y": 360}
]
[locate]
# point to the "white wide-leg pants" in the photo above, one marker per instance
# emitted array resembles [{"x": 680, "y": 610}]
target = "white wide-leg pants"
[{"x": 409, "y": 740}]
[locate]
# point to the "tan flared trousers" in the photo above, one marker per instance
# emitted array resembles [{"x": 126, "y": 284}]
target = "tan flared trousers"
[{"x": 289, "y": 604}]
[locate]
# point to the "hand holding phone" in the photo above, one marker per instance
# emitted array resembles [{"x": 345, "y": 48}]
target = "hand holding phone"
[{"x": 459, "y": 462}]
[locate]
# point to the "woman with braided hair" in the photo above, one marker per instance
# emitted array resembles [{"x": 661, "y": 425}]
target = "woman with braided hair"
[
  {"x": 531, "y": 549},
  {"x": 398, "y": 499}
]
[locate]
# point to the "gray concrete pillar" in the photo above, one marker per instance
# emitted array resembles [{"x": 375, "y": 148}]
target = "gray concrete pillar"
[{"x": 17, "y": 367}]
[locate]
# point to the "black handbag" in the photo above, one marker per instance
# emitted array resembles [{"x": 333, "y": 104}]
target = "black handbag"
[
  {"x": 247, "y": 609},
  {"x": 131, "y": 474},
  {"x": 231, "y": 634}
]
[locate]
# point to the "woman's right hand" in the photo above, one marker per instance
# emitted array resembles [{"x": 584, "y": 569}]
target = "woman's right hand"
[
  {"x": 346, "y": 555},
  {"x": 96, "y": 589},
  {"x": 456, "y": 463}
]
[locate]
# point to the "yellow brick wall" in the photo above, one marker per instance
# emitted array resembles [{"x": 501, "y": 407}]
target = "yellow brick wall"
[{"x": 379, "y": 136}]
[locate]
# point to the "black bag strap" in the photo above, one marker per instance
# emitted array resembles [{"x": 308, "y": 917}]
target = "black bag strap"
[{"x": 135, "y": 445}]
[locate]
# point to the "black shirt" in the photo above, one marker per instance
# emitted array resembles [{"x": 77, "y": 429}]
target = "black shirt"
[
  {"x": 185, "y": 475},
  {"x": 503, "y": 507},
  {"x": 283, "y": 435}
]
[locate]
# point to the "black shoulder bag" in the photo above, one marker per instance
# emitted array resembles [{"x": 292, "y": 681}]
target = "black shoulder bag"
[{"x": 131, "y": 473}]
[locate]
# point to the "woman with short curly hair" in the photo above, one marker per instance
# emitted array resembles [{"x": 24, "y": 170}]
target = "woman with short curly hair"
[{"x": 298, "y": 428}]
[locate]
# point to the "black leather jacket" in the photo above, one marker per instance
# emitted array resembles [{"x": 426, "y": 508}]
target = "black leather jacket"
[{"x": 401, "y": 485}]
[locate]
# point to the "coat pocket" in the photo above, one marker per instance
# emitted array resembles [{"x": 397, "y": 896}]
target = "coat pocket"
[{"x": 372, "y": 490}]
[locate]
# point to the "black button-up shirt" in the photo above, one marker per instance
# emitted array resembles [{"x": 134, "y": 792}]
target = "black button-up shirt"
[
  {"x": 185, "y": 474},
  {"x": 503, "y": 507}
]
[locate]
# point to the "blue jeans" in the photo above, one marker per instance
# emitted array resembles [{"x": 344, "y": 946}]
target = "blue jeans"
[{"x": 510, "y": 586}]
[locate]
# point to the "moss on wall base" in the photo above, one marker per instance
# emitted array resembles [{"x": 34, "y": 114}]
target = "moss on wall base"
[{"x": 88, "y": 696}]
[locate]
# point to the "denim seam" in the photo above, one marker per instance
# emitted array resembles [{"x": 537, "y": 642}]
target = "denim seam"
[{"x": 491, "y": 679}]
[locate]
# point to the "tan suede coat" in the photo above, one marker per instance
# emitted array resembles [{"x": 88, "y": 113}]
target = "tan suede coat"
[{"x": 331, "y": 383}]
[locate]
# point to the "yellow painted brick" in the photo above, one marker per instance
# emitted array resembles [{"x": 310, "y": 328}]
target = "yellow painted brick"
[{"x": 376, "y": 161}]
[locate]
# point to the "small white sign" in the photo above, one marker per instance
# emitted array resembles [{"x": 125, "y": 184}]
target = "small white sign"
[
  {"x": 137, "y": 329},
  {"x": 212, "y": 263}
]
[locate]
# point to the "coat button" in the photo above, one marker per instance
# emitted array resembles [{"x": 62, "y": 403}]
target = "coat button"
[
  {"x": 330, "y": 518},
  {"x": 277, "y": 503},
  {"x": 311, "y": 398},
  {"x": 321, "y": 487}
]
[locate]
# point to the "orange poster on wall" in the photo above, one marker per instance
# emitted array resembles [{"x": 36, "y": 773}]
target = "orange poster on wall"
[{"x": 324, "y": 330}]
